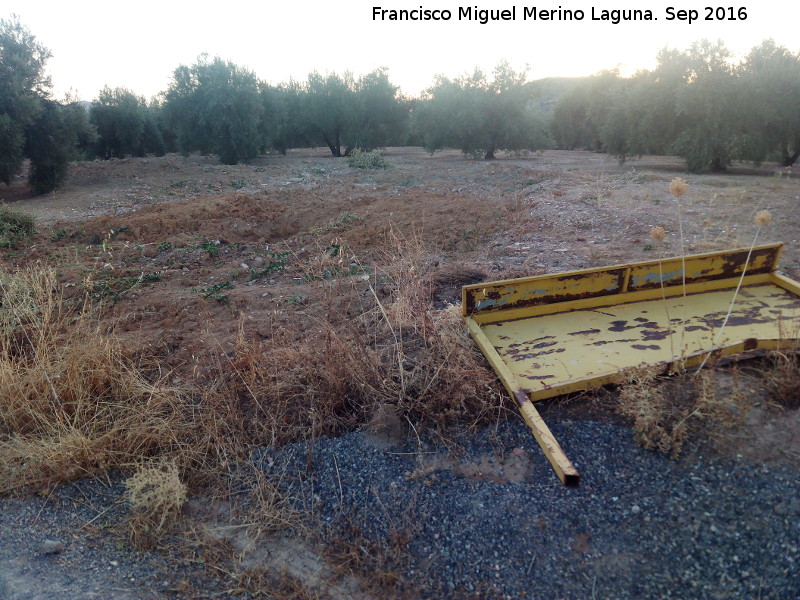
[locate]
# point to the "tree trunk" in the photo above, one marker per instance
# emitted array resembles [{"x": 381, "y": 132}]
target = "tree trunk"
[
  {"x": 789, "y": 159},
  {"x": 490, "y": 151},
  {"x": 717, "y": 166},
  {"x": 334, "y": 147}
]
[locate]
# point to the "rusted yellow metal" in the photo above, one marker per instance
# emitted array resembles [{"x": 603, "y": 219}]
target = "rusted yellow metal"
[{"x": 555, "y": 334}]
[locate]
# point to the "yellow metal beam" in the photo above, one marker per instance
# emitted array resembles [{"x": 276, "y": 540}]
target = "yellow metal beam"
[{"x": 564, "y": 469}]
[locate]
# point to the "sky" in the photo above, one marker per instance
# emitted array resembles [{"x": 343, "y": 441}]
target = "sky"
[{"x": 138, "y": 45}]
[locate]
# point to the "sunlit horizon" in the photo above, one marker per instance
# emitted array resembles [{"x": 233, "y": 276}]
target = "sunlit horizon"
[{"x": 105, "y": 45}]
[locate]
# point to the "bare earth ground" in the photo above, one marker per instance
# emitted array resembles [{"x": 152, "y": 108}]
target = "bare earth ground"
[
  {"x": 191, "y": 254},
  {"x": 516, "y": 216}
]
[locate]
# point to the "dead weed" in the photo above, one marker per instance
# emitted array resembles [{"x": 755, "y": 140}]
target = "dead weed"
[
  {"x": 73, "y": 403},
  {"x": 666, "y": 410},
  {"x": 782, "y": 380}
]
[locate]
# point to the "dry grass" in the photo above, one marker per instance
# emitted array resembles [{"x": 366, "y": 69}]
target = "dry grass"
[
  {"x": 381, "y": 563},
  {"x": 666, "y": 410},
  {"x": 782, "y": 381},
  {"x": 72, "y": 402},
  {"x": 266, "y": 583},
  {"x": 157, "y": 495},
  {"x": 359, "y": 346}
]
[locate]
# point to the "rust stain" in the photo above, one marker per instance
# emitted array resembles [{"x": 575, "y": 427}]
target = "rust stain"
[
  {"x": 521, "y": 396},
  {"x": 618, "y": 326},
  {"x": 737, "y": 318},
  {"x": 655, "y": 336},
  {"x": 585, "y": 332},
  {"x": 604, "y": 342},
  {"x": 543, "y": 345},
  {"x": 518, "y": 357}
]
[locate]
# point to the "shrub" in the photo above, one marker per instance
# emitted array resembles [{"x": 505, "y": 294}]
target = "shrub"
[
  {"x": 783, "y": 379},
  {"x": 367, "y": 160},
  {"x": 15, "y": 227},
  {"x": 666, "y": 411}
]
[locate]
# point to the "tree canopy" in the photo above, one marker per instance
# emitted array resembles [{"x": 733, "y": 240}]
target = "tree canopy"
[
  {"x": 339, "y": 110},
  {"x": 696, "y": 103},
  {"x": 215, "y": 108},
  {"x": 480, "y": 115},
  {"x": 125, "y": 125},
  {"x": 23, "y": 86}
]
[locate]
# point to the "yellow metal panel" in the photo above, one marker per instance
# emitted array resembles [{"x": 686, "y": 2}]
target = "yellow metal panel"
[
  {"x": 703, "y": 267},
  {"x": 527, "y": 312},
  {"x": 609, "y": 281},
  {"x": 555, "y": 334},
  {"x": 547, "y": 353}
]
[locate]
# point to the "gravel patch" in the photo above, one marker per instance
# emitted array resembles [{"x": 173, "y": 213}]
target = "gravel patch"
[
  {"x": 65, "y": 545},
  {"x": 484, "y": 519},
  {"x": 640, "y": 525}
]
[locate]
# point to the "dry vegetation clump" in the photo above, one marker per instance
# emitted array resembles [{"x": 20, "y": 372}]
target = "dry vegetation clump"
[
  {"x": 666, "y": 410},
  {"x": 382, "y": 561},
  {"x": 361, "y": 346},
  {"x": 782, "y": 381},
  {"x": 266, "y": 583},
  {"x": 156, "y": 494},
  {"x": 73, "y": 403}
]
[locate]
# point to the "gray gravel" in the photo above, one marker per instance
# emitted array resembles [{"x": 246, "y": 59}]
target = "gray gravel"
[
  {"x": 65, "y": 546},
  {"x": 640, "y": 525}
]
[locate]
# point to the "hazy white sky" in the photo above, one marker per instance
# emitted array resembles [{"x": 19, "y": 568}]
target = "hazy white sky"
[{"x": 138, "y": 44}]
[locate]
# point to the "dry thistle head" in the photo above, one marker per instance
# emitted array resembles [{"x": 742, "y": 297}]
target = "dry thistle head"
[
  {"x": 763, "y": 218},
  {"x": 678, "y": 187},
  {"x": 657, "y": 234}
]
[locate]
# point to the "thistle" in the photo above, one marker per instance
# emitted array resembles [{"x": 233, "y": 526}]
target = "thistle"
[
  {"x": 762, "y": 219},
  {"x": 657, "y": 234},
  {"x": 678, "y": 187}
]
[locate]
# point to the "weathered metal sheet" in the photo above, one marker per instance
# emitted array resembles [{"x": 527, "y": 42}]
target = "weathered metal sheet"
[
  {"x": 566, "y": 352},
  {"x": 609, "y": 281},
  {"x": 555, "y": 334}
]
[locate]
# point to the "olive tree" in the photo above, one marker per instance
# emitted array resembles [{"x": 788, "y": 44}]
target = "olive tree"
[
  {"x": 215, "y": 108},
  {"x": 23, "y": 85},
  {"x": 480, "y": 115},
  {"x": 125, "y": 125},
  {"x": 340, "y": 111},
  {"x": 770, "y": 85},
  {"x": 32, "y": 125}
]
